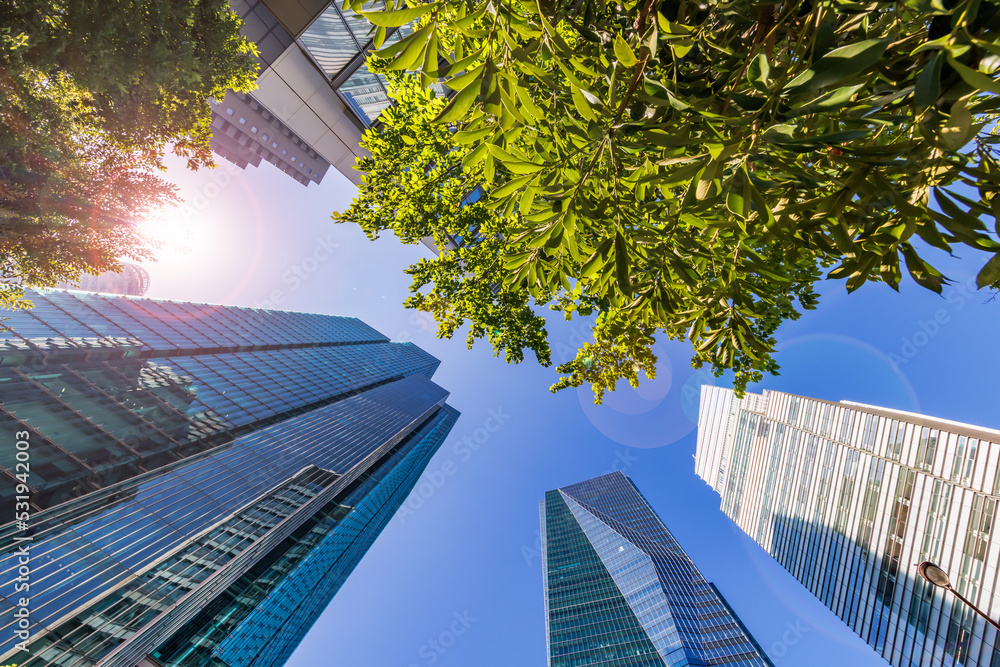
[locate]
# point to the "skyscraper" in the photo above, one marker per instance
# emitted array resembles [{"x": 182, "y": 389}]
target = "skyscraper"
[
  {"x": 315, "y": 94},
  {"x": 620, "y": 590},
  {"x": 202, "y": 478},
  {"x": 131, "y": 280},
  {"x": 847, "y": 497},
  {"x": 244, "y": 132}
]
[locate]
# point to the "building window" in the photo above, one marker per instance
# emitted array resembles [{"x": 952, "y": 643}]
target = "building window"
[
  {"x": 284, "y": 151},
  {"x": 253, "y": 129},
  {"x": 896, "y": 440},
  {"x": 293, "y": 158},
  {"x": 301, "y": 164},
  {"x": 937, "y": 519},
  {"x": 309, "y": 171},
  {"x": 229, "y": 112},
  {"x": 927, "y": 448},
  {"x": 965, "y": 460},
  {"x": 263, "y": 137},
  {"x": 274, "y": 144}
]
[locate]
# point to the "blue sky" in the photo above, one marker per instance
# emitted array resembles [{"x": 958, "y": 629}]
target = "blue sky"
[{"x": 456, "y": 579}]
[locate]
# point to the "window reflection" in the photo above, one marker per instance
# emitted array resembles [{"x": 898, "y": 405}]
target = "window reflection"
[
  {"x": 330, "y": 42},
  {"x": 366, "y": 94},
  {"x": 337, "y": 38}
]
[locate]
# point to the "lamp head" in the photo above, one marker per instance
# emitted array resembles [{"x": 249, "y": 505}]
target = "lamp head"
[{"x": 933, "y": 574}]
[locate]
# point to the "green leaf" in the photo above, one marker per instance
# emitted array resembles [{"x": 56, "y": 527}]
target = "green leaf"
[
  {"x": 838, "y": 65},
  {"x": 398, "y": 17},
  {"x": 830, "y": 101},
  {"x": 582, "y": 104},
  {"x": 415, "y": 47},
  {"x": 527, "y": 105},
  {"x": 652, "y": 40},
  {"x": 460, "y": 64},
  {"x": 472, "y": 136},
  {"x": 990, "y": 273},
  {"x": 681, "y": 47},
  {"x": 459, "y": 104},
  {"x": 624, "y": 53},
  {"x": 958, "y": 130},
  {"x": 708, "y": 180},
  {"x": 659, "y": 94},
  {"x": 595, "y": 263},
  {"x": 400, "y": 45},
  {"x": 622, "y": 264},
  {"x": 924, "y": 274},
  {"x": 461, "y": 81},
  {"x": 975, "y": 79},
  {"x": 511, "y": 186},
  {"x": 748, "y": 102},
  {"x": 758, "y": 73},
  {"x": 928, "y": 86},
  {"x": 475, "y": 156},
  {"x": 468, "y": 21},
  {"x": 779, "y": 134},
  {"x": 527, "y": 199},
  {"x": 430, "y": 64},
  {"x": 501, "y": 154},
  {"x": 523, "y": 167}
]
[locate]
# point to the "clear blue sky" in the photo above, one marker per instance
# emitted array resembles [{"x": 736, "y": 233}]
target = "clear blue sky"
[{"x": 459, "y": 565}]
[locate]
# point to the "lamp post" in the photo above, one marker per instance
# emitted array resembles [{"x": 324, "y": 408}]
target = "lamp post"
[{"x": 938, "y": 577}]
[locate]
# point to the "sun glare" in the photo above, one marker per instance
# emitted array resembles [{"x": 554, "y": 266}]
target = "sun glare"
[{"x": 174, "y": 230}]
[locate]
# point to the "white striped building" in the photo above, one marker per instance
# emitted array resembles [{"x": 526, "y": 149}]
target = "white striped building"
[{"x": 848, "y": 497}]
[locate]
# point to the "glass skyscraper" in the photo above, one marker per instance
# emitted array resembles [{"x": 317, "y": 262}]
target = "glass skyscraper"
[
  {"x": 620, "y": 591},
  {"x": 202, "y": 479},
  {"x": 848, "y": 497},
  {"x": 131, "y": 280}
]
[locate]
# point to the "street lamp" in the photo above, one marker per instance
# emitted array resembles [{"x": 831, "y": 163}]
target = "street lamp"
[{"x": 938, "y": 577}]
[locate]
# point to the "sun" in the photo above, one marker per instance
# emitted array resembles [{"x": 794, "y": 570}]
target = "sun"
[{"x": 173, "y": 230}]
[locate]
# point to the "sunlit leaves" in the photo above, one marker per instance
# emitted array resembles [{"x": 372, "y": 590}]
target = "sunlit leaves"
[
  {"x": 691, "y": 170},
  {"x": 624, "y": 52},
  {"x": 397, "y": 17}
]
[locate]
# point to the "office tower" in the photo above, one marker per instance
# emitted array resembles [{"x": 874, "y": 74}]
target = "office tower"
[
  {"x": 314, "y": 90},
  {"x": 132, "y": 280},
  {"x": 203, "y": 478},
  {"x": 244, "y": 132},
  {"x": 620, "y": 590},
  {"x": 848, "y": 497}
]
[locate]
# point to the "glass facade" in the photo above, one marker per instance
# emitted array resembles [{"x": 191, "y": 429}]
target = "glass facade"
[
  {"x": 620, "y": 591},
  {"x": 131, "y": 280},
  {"x": 202, "y": 476},
  {"x": 848, "y": 497},
  {"x": 338, "y": 41}
]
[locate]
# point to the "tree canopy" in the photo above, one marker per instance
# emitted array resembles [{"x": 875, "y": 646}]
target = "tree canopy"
[
  {"x": 690, "y": 169},
  {"x": 92, "y": 94}
]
